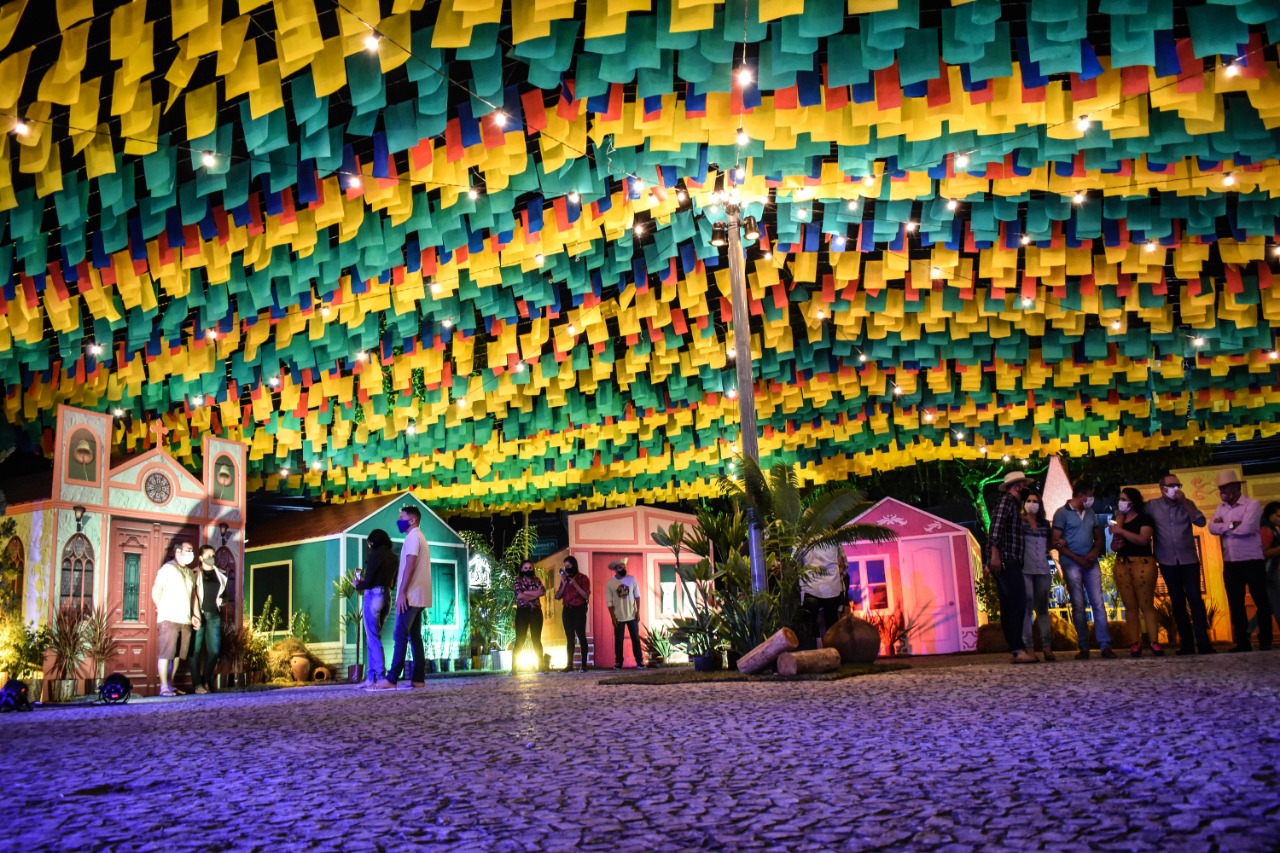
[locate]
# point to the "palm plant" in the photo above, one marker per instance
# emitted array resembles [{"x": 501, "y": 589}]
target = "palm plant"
[
  {"x": 68, "y": 642},
  {"x": 101, "y": 640},
  {"x": 795, "y": 527}
]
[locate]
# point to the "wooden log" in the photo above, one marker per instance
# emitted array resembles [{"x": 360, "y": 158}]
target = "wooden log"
[
  {"x": 763, "y": 655},
  {"x": 818, "y": 660}
]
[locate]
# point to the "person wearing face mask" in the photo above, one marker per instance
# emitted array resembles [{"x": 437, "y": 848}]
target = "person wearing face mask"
[
  {"x": 1036, "y": 574},
  {"x": 1078, "y": 538},
  {"x": 1237, "y": 522},
  {"x": 1007, "y": 541},
  {"x": 413, "y": 595},
  {"x": 574, "y": 591},
  {"x": 528, "y": 589},
  {"x": 1174, "y": 514},
  {"x": 374, "y": 582},
  {"x": 623, "y": 599},
  {"x": 173, "y": 594},
  {"x": 211, "y": 583},
  {"x": 1131, "y": 533}
]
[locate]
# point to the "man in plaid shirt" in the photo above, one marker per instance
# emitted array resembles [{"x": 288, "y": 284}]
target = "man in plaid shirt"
[{"x": 1007, "y": 539}]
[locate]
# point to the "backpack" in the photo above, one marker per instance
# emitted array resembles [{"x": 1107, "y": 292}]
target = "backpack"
[{"x": 13, "y": 696}]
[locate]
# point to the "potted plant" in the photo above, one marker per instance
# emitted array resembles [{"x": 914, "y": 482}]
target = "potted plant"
[
  {"x": 67, "y": 642},
  {"x": 352, "y": 615},
  {"x": 102, "y": 642},
  {"x": 231, "y": 654},
  {"x": 657, "y": 644},
  {"x": 699, "y": 634}
]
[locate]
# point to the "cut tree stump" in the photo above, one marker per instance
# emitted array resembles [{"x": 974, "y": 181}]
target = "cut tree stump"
[
  {"x": 819, "y": 660},
  {"x": 767, "y": 652}
]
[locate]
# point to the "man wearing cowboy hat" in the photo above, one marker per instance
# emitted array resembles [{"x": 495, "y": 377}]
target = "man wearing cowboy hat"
[
  {"x": 1237, "y": 522},
  {"x": 1174, "y": 514},
  {"x": 1006, "y": 542}
]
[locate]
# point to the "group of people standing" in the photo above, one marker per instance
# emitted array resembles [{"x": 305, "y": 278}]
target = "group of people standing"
[
  {"x": 188, "y": 600},
  {"x": 1147, "y": 537}
]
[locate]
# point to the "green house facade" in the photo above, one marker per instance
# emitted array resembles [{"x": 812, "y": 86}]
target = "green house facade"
[{"x": 295, "y": 558}]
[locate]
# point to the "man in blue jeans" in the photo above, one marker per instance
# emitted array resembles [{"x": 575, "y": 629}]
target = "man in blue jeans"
[
  {"x": 413, "y": 595},
  {"x": 1078, "y": 538},
  {"x": 1174, "y": 515}
]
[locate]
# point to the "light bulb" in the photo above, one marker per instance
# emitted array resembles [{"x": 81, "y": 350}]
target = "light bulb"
[
  {"x": 1151, "y": 245},
  {"x": 638, "y": 184},
  {"x": 324, "y": 311},
  {"x": 862, "y": 357},
  {"x": 639, "y": 229},
  {"x": 733, "y": 354},
  {"x": 1115, "y": 324},
  {"x": 959, "y": 434},
  {"x": 822, "y": 315},
  {"x": 362, "y": 356},
  {"x": 316, "y": 466},
  {"x": 743, "y": 138},
  {"x": 1197, "y": 341},
  {"x": 371, "y": 41},
  {"x": 768, "y": 256},
  {"x": 744, "y": 75},
  {"x": 412, "y": 429},
  {"x": 500, "y": 119},
  {"x": 436, "y": 288},
  {"x": 802, "y": 214},
  {"x": 538, "y": 259},
  {"x": 952, "y": 204},
  {"x": 739, "y": 173},
  {"x": 211, "y": 335},
  {"x": 1004, "y": 458},
  {"x": 1027, "y": 302},
  {"x": 911, "y": 227},
  {"x": 197, "y": 400},
  {"x": 1273, "y": 355},
  {"x": 715, "y": 208},
  {"x": 473, "y": 193},
  {"x": 21, "y": 128},
  {"x": 962, "y": 160},
  {"x": 1083, "y": 123},
  {"x": 682, "y": 196},
  {"x": 853, "y": 205},
  {"x": 209, "y": 159},
  {"x": 572, "y": 330},
  {"x": 519, "y": 367},
  {"x": 353, "y": 182},
  {"x": 1078, "y": 198},
  {"x": 868, "y": 180},
  {"x": 982, "y": 449},
  {"x": 462, "y": 401},
  {"x": 284, "y": 472},
  {"x": 1026, "y": 239},
  {"x": 928, "y": 417},
  {"x": 1276, "y": 251},
  {"x": 732, "y": 394},
  {"x": 447, "y": 323},
  {"x": 936, "y": 272},
  {"x": 95, "y": 349},
  {"x": 274, "y": 381},
  {"x": 1231, "y": 70},
  {"x": 574, "y": 197},
  {"x": 119, "y": 413},
  {"x": 1229, "y": 180},
  {"x": 1026, "y": 462},
  {"x": 897, "y": 390}
]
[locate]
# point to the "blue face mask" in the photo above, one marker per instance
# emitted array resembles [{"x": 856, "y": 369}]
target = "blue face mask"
[{"x": 403, "y": 525}]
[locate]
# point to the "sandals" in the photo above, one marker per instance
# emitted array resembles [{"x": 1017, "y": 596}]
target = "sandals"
[
  {"x": 1135, "y": 651},
  {"x": 1156, "y": 650},
  {"x": 170, "y": 692}
]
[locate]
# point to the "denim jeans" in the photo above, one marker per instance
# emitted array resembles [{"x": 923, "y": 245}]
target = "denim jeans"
[
  {"x": 1012, "y": 592},
  {"x": 1084, "y": 587},
  {"x": 1183, "y": 583},
  {"x": 574, "y": 617},
  {"x": 209, "y": 638},
  {"x": 377, "y": 604},
  {"x": 408, "y": 631},
  {"x": 1037, "y": 587}
]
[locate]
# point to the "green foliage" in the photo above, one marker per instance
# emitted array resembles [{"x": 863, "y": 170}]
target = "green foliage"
[
  {"x": 656, "y": 642},
  {"x": 300, "y": 626},
  {"x": 100, "y": 639},
  {"x": 700, "y": 632},
  {"x": 988, "y": 596},
  {"x": 344, "y": 590},
  {"x": 23, "y": 647},
  {"x": 258, "y": 640},
  {"x": 492, "y": 608},
  {"x": 10, "y": 601}
]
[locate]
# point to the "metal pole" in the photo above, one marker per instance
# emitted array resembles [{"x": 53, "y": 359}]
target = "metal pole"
[{"x": 746, "y": 387}]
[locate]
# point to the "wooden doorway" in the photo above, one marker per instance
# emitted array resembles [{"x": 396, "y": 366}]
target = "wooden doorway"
[
  {"x": 138, "y": 549},
  {"x": 602, "y": 639}
]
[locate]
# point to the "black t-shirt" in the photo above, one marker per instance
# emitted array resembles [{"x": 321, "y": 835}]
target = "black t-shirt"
[
  {"x": 1124, "y": 547},
  {"x": 211, "y": 584},
  {"x": 380, "y": 567}
]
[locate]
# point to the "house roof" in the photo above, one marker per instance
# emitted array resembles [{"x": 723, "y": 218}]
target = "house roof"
[
  {"x": 908, "y": 521},
  {"x": 263, "y": 531}
]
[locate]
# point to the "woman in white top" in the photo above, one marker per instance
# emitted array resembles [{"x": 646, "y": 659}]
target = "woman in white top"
[
  {"x": 1036, "y": 573},
  {"x": 824, "y": 589}
]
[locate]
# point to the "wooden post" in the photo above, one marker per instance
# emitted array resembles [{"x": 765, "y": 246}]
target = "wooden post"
[
  {"x": 819, "y": 660},
  {"x": 767, "y": 652}
]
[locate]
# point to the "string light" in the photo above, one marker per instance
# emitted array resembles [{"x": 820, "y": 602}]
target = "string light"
[
  {"x": 211, "y": 335},
  {"x": 982, "y": 449},
  {"x": 284, "y": 472},
  {"x": 1273, "y": 355},
  {"x": 1004, "y": 458},
  {"x": 911, "y": 227},
  {"x": 538, "y": 259},
  {"x": 1027, "y": 302},
  {"x": 862, "y": 357},
  {"x": 119, "y": 413},
  {"x": 638, "y": 229},
  {"x": 733, "y": 354},
  {"x": 447, "y": 323},
  {"x": 1078, "y": 198},
  {"x": 574, "y": 197},
  {"x": 500, "y": 119},
  {"x": 316, "y": 466},
  {"x": 1276, "y": 251},
  {"x": 274, "y": 381},
  {"x": 1229, "y": 180},
  {"x": 1083, "y": 123},
  {"x": 362, "y": 356},
  {"x": 744, "y": 76},
  {"x": 853, "y": 204},
  {"x": 324, "y": 311},
  {"x": 473, "y": 193},
  {"x": 959, "y": 433},
  {"x": 1026, "y": 239},
  {"x": 519, "y": 367},
  {"x": 768, "y": 256},
  {"x": 682, "y": 196},
  {"x": 197, "y": 400},
  {"x": 952, "y": 204},
  {"x": 572, "y": 330},
  {"x": 962, "y": 160},
  {"x": 209, "y": 159},
  {"x": 743, "y": 138},
  {"x": 371, "y": 41},
  {"x": 868, "y": 180},
  {"x": 95, "y": 349},
  {"x": 412, "y": 428},
  {"x": 462, "y": 401},
  {"x": 822, "y": 315},
  {"x": 638, "y": 184},
  {"x": 1231, "y": 70},
  {"x": 732, "y": 393},
  {"x": 436, "y": 288},
  {"x": 928, "y": 417},
  {"x": 1152, "y": 245},
  {"x": 802, "y": 214},
  {"x": 1197, "y": 341},
  {"x": 1026, "y": 462},
  {"x": 739, "y": 173},
  {"x": 353, "y": 182},
  {"x": 897, "y": 390},
  {"x": 935, "y": 272},
  {"x": 21, "y": 128},
  {"x": 1115, "y": 324}
]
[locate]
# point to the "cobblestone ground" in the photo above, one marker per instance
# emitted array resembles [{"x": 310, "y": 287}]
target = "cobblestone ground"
[{"x": 1172, "y": 754}]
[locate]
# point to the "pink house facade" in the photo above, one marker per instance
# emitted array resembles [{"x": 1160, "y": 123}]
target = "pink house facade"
[
  {"x": 596, "y": 539},
  {"x": 927, "y": 572}
]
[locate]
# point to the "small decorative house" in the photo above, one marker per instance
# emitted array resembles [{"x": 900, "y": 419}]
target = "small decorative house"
[
  {"x": 91, "y": 534},
  {"x": 596, "y": 539},
  {"x": 295, "y": 560},
  {"x": 927, "y": 573}
]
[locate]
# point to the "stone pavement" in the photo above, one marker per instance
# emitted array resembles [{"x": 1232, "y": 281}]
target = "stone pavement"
[{"x": 1133, "y": 755}]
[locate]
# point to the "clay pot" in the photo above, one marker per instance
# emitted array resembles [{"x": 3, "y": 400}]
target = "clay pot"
[
  {"x": 856, "y": 639},
  {"x": 322, "y": 673},
  {"x": 301, "y": 666}
]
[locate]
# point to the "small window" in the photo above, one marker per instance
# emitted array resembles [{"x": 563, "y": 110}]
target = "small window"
[
  {"x": 76, "y": 588},
  {"x": 868, "y": 584},
  {"x": 132, "y": 587},
  {"x": 273, "y": 581},
  {"x": 667, "y": 589}
]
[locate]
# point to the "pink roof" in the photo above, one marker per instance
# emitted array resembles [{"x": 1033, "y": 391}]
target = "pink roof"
[{"x": 907, "y": 521}]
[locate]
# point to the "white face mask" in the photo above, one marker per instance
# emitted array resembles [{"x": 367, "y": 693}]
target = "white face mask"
[
  {"x": 185, "y": 558},
  {"x": 1171, "y": 492},
  {"x": 1032, "y": 507},
  {"x": 1088, "y": 502},
  {"x": 1123, "y": 506}
]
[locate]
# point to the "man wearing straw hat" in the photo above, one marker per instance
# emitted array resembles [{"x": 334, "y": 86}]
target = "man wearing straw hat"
[
  {"x": 1237, "y": 522},
  {"x": 1007, "y": 541}
]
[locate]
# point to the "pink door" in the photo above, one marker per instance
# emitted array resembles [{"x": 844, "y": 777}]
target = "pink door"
[
  {"x": 928, "y": 591},
  {"x": 601, "y": 624}
]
